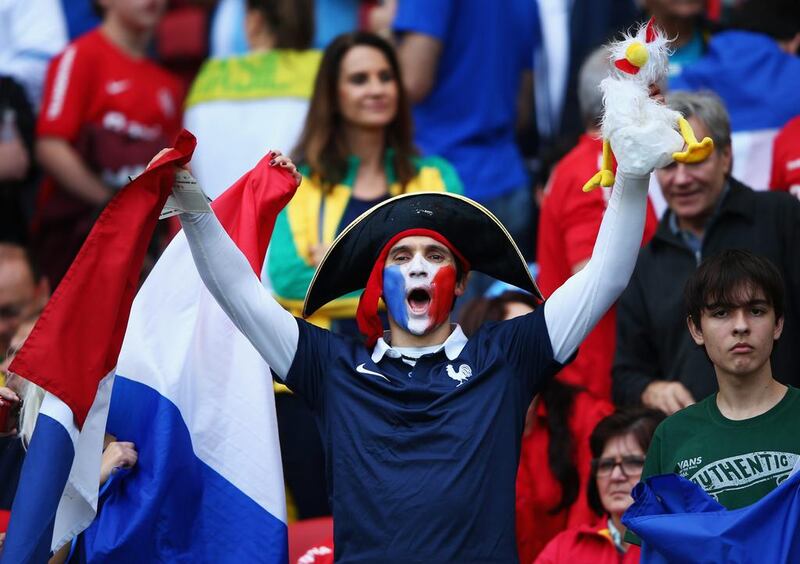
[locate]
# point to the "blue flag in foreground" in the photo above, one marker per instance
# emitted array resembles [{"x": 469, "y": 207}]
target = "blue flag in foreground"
[
  {"x": 196, "y": 399},
  {"x": 679, "y": 522}
]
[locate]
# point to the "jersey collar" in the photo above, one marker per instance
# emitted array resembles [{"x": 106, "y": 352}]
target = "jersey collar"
[{"x": 452, "y": 346}]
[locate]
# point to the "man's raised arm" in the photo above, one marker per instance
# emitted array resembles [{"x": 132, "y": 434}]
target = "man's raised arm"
[
  {"x": 574, "y": 309},
  {"x": 230, "y": 278}
]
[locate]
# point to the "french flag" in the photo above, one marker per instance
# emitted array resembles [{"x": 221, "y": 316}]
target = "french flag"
[
  {"x": 188, "y": 390},
  {"x": 71, "y": 353}
]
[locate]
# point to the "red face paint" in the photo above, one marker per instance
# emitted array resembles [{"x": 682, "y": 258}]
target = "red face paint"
[{"x": 443, "y": 289}]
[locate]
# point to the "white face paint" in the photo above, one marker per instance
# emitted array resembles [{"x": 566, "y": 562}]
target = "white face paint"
[{"x": 418, "y": 288}]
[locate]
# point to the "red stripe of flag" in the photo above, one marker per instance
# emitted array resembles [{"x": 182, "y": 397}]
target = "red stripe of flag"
[{"x": 77, "y": 339}]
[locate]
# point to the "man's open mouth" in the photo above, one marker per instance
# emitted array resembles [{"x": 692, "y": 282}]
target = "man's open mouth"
[{"x": 418, "y": 301}]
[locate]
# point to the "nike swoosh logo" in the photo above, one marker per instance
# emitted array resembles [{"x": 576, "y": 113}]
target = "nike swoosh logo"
[
  {"x": 117, "y": 86},
  {"x": 360, "y": 369}
]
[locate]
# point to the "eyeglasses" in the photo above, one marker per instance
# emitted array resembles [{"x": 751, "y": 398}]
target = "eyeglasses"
[{"x": 629, "y": 465}]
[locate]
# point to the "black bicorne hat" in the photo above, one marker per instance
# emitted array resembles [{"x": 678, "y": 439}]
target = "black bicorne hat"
[{"x": 472, "y": 229}]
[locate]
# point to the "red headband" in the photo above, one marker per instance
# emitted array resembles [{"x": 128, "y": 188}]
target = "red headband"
[{"x": 367, "y": 313}]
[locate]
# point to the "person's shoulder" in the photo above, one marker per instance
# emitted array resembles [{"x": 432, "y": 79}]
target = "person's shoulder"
[
  {"x": 793, "y": 394},
  {"x": 576, "y": 543},
  {"x": 89, "y": 41},
  {"x": 769, "y": 205},
  {"x": 91, "y": 46},
  {"x": 433, "y": 165},
  {"x": 326, "y": 340},
  {"x": 531, "y": 324}
]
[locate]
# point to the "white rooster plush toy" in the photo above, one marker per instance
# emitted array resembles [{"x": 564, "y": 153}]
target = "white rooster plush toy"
[{"x": 634, "y": 124}]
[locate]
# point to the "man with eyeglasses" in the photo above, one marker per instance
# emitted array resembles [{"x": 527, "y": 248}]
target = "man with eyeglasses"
[{"x": 23, "y": 291}]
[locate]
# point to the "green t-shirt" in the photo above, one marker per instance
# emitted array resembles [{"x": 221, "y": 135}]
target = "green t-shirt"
[{"x": 736, "y": 462}]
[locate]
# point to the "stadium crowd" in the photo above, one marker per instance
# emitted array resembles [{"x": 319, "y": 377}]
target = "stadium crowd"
[{"x": 499, "y": 102}]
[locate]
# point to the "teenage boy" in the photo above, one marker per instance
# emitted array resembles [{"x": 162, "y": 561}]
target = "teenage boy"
[{"x": 740, "y": 443}]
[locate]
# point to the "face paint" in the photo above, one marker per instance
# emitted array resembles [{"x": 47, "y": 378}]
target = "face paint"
[{"x": 419, "y": 294}]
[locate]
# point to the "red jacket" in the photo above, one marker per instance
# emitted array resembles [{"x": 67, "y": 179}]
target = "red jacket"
[
  {"x": 568, "y": 226},
  {"x": 586, "y": 545},
  {"x": 537, "y": 489}
]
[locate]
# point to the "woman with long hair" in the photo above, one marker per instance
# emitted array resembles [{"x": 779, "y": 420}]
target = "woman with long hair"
[
  {"x": 551, "y": 496},
  {"x": 354, "y": 152}
]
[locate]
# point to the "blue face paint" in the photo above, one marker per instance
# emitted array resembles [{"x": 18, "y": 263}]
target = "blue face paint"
[{"x": 394, "y": 295}]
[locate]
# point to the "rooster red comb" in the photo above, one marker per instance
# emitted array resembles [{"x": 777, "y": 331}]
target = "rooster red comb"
[{"x": 650, "y": 32}]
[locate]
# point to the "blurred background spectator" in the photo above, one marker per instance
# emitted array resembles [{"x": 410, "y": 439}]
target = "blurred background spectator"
[
  {"x": 107, "y": 110},
  {"x": 618, "y": 444},
  {"x": 31, "y": 33},
  {"x": 570, "y": 31},
  {"x": 240, "y": 107},
  {"x": 23, "y": 290},
  {"x": 333, "y": 17},
  {"x": 755, "y": 69},
  {"x": 657, "y": 363},
  {"x": 17, "y": 171},
  {"x": 684, "y": 22},
  {"x": 568, "y": 224},
  {"x": 467, "y": 70},
  {"x": 552, "y": 496},
  {"x": 19, "y": 423}
]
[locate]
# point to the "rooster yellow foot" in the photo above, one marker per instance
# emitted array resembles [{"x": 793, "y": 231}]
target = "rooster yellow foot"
[
  {"x": 603, "y": 178},
  {"x": 695, "y": 151}
]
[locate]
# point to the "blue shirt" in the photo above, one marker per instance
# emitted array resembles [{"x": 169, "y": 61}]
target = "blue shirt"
[
  {"x": 422, "y": 460},
  {"x": 469, "y": 115},
  {"x": 757, "y": 81}
]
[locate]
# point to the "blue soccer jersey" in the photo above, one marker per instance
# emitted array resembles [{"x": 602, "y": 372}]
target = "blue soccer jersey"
[{"x": 422, "y": 460}]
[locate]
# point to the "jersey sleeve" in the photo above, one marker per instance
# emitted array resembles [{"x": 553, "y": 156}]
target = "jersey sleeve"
[
  {"x": 430, "y": 17},
  {"x": 68, "y": 91},
  {"x": 316, "y": 348},
  {"x": 526, "y": 346}
]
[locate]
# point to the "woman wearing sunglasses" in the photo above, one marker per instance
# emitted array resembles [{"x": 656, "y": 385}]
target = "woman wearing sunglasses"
[{"x": 618, "y": 445}]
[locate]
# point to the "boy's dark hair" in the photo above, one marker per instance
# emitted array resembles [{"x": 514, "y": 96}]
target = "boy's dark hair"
[
  {"x": 720, "y": 279},
  {"x": 641, "y": 422}
]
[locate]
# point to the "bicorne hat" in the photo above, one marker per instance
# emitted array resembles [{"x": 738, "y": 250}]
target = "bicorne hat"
[{"x": 472, "y": 229}]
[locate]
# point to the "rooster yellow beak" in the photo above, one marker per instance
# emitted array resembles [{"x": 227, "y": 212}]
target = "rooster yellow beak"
[{"x": 636, "y": 54}]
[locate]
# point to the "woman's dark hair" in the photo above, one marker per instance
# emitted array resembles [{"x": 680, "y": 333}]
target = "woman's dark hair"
[
  {"x": 290, "y": 21},
  {"x": 322, "y": 146},
  {"x": 721, "y": 279},
  {"x": 641, "y": 422},
  {"x": 557, "y": 397}
]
